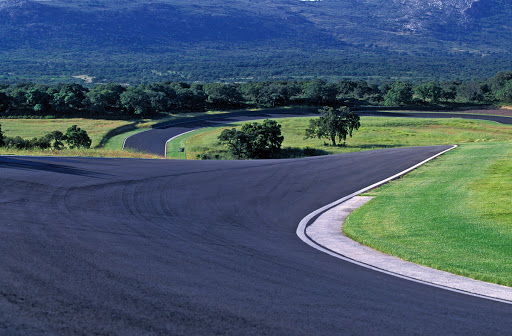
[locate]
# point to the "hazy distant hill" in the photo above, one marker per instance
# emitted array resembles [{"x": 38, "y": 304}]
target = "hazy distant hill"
[{"x": 206, "y": 39}]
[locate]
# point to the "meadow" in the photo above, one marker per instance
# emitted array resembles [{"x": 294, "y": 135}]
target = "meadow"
[{"x": 375, "y": 133}]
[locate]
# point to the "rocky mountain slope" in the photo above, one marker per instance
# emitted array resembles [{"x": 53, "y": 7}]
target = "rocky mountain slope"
[{"x": 422, "y": 28}]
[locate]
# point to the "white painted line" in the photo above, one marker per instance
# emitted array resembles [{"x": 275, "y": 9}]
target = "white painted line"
[
  {"x": 170, "y": 124},
  {"x": 124, "y": 142},
  {"x": 177, "y": 136},
  {"x": 174, "y": 137},
  {"x": 301, "y": 233},
  {"x": 179, "y": 123}
]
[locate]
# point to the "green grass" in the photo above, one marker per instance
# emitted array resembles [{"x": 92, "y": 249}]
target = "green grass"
[
  {"x": 30, "y": 128},
  {"x": 107, "y": 135},
  {"x": 99, "y": 130},
  {"x": 116, "y": 140},
  {"x": 375, "y": 133},
  {"x": 453, "y": 214},
  {"x": 93, "y": 152}
]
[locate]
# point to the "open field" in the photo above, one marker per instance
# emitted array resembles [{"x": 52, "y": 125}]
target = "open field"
[
  {"x": 375, "y": 133},
  {"x": 453, "y": 214},
  {"x": 99, "y": 131},
  {"x": 107, "y": 135},
  {"x": 30, "y": 128}
]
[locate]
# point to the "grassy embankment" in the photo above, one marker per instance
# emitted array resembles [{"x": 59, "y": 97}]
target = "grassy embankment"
[
  {"x": 375, "y": 133},
  {"x": 107, "y": 135},
  {"x": 454, "y": 214},
  {"x": 97, "y": 129}
]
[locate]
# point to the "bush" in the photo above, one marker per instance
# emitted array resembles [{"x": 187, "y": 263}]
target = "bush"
[
  {"x": 254, "y": 141},
  {"x": 77, "y": 138},
  {"x": 18, "y": 143}
]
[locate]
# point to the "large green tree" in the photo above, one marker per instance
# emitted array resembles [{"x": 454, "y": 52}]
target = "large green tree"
[
  {"x": 77, "y": 137},
  {"x": 69, "y": 99},
  {"x": 254, "y": 140},
  {"x": 429, "y": 92},
  {"x": 400, "y": 93},
  {"x": 105, "y": 97},
  {"x": 224, "y": 95},
  {"x": 236, "y": 141},
  {"x": 136, "y": 101},
  {"x": 505, "y": 93},
  {"x": 333, "y": 124}
]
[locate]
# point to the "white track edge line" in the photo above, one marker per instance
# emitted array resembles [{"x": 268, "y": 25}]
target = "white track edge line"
[
  {"x": 196, "y": 129},
  {"x": 301, "y": 233},
  {"x": 179, "y": 123}
]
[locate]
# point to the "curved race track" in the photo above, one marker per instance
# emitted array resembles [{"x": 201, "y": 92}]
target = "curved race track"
[
  {"x": 153, "y": 141},
  {"x": 123, "y": 246}
]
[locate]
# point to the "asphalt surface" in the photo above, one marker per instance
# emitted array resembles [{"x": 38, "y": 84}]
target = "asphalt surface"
[
  {"x": 153, "y": 141},
  {"x": 142, "y": 247}
]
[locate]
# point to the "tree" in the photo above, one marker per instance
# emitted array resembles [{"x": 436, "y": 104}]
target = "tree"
[
  {"x": 69, "y": 99},
  {"x": 469, "y": 92},
  {"x": 105, "y": 97},
  {"x": 4, "y": 102},
  {"x": 333, "y": 124},
  {"x": 56, "y": 139},
  {"x": 318, "y": 92},
  {"x": 254, "y": 140},
  {"x": 264, "y": 139},
  {"x": 429, "y": 92},
  {"x": 2, "y": 142},
  {"x": 38, "y": 100},
  {"x": 236, "y": 141},
  {"x": 505, "y": 93},
  {"x": 136, "y": 100},
  {"x": 77, "y": 137},
  {"x": 224, "y": 95},
  {"x": 400, "y": 93}
]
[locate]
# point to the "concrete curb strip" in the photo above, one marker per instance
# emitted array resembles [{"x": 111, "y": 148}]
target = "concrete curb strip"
[
  {"x": 326, "y": 231},
  {"x": 474, "y": 288}
]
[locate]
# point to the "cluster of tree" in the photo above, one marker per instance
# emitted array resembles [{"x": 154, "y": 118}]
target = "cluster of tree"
[
  {"x": 253, "y": 140},
  {"x": 103, "y": 100},
  {"x": 333, "y": 124},
  {"x": 75, "y": 137}
]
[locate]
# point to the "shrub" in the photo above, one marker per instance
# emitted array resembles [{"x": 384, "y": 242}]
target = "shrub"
[{"x": 77, "y": 138}]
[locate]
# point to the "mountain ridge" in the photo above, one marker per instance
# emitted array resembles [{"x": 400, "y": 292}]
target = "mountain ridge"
[{"x": 56, "y": 29}]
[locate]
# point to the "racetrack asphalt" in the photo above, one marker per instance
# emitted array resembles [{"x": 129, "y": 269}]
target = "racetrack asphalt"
[
  {"x": 154, "y": 140},
  {"x": 172, "y": 247}
]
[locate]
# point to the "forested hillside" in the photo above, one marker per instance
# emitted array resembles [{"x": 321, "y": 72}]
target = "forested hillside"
[{"x": 239, "y": 40}]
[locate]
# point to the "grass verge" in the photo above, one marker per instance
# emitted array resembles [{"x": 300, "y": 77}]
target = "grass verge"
[
  {"x": 30, "y": 128},
  {"x": 375, "y": 133},
  {"x": 452, "y": 214},
  {"x": 107, "y": 135}
]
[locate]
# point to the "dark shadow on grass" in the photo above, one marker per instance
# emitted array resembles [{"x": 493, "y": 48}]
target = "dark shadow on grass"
[
  {"x": 16, "y": 163},
  {"x": 116, "y": 131}
]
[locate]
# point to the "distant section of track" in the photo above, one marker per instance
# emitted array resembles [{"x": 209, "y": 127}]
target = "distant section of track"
[{"x": 154, "y": 140}]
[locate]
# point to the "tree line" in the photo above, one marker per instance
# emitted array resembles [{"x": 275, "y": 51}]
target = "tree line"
[{"x": 115, "y": 100}]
